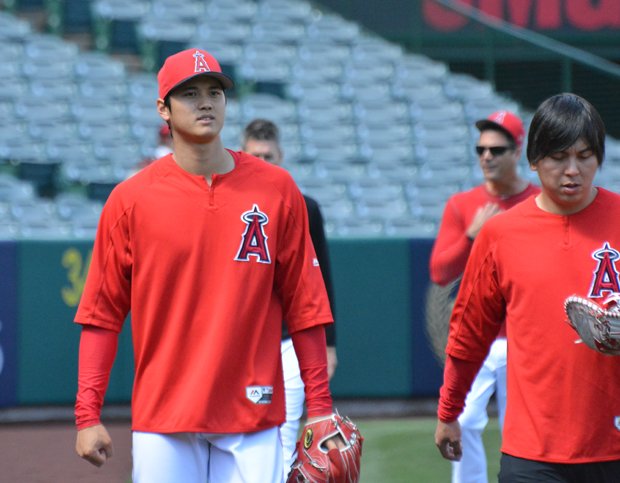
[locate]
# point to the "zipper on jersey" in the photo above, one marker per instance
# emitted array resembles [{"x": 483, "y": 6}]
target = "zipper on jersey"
[
  {"x": 566, "y": 230},
  {"x": 211, "y": 190}
]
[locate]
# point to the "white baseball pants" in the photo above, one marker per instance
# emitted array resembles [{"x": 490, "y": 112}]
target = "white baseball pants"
[
  {"x": 490, "y": 379},
  {"x": 207, "y": 458}
]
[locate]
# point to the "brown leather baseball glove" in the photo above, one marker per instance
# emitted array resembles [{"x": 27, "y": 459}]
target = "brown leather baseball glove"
[{"x": 317, "y": 464}]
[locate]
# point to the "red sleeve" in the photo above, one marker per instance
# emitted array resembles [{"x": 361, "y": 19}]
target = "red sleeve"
[
  {"x": 106, "y": 299},
  {"x": 298, "y": 276},
  {"x": 458, "y": 376},
  {"x": 479, "y": 309},
  {"x": 97, "y": 352},
  {"x": 451, "y": 248},
  {"x": 312, "y": 355}
]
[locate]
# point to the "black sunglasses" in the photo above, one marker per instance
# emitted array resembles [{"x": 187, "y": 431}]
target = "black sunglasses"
[{"x": 495, "y": 150}]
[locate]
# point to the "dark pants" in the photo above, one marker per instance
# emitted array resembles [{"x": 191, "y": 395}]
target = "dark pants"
[{"x": 519, "y": 470}]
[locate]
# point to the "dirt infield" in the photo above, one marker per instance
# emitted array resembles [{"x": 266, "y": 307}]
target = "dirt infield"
[
  {"x": 37, "y": 444},
  {"x": 44, "y": 453}
]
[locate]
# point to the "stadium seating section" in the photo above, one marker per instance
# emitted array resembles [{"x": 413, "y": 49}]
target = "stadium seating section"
[{"x": 380, "y": 136}]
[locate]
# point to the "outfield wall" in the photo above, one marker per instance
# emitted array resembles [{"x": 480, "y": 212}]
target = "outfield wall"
[{"x": 380, "y": 288}]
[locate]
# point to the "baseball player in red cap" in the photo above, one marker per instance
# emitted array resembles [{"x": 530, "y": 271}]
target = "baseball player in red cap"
[
  {"x": 499, "y": 151},
  {"x": 210, "y": 250},
  {"x": 562, "y": 419}
]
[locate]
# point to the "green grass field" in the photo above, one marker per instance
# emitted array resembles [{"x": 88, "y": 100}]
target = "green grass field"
[{"x": 403, "y": 451}]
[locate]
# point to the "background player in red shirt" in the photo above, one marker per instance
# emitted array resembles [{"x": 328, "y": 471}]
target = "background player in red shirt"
[
  {"x": 210, "y": 250},
  {"x": 499, "y": 152},
  {"x": 261, "y": 138},
  {"x": 562, "y": 415}
]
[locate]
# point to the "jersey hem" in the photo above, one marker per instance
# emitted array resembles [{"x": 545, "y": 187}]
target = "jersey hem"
[{"x": 564, "y": 459}]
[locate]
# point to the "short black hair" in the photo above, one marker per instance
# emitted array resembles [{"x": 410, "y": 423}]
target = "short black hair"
[
  {"x": 562, "y": 120},
  {"x": 261, "y": 130}
]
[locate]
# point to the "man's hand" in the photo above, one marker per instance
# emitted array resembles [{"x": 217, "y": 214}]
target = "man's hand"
[
  {"x": 480, "y": 218},
  {"x": 94, "y": 444},
  {"x": 332, "y": 362},
  {"x": 448, "y": 440}
]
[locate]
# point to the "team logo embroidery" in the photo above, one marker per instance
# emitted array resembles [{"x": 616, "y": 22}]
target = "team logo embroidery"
[
  {"x": 308, "y": 437},
  {"x": 499, "y": 117},
  {"x": 259, "y": 394},
  {"x": 605, "y": 280},
  {"x": 200, "y": 63},
  {"x": 254, "y": 240}
]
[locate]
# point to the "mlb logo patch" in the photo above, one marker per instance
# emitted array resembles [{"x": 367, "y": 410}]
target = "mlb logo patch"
[
  {"x": 259, "y": 394},
  {"x": 617, "y": 422}
]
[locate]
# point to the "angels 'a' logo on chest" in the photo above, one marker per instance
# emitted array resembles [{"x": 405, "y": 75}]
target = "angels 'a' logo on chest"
[
  {"x": 254, "y": 239},
  {"x": 605, "y": 279}
]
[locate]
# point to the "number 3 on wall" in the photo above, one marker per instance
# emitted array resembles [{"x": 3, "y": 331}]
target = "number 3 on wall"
[{"x": 77, "y": 269}]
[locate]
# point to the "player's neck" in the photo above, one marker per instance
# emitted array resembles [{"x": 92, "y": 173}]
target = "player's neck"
[
  {"x": 506, "y": 188},
  {"x": 204, "y": 159}
]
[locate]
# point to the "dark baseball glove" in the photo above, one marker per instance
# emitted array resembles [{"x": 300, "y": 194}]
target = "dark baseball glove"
[
  {"x": 598, "y": 326},
  {"x": 316, "y": 464}
]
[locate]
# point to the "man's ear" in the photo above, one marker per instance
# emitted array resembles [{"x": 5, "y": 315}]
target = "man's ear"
[{"x": 163, "y": 110}]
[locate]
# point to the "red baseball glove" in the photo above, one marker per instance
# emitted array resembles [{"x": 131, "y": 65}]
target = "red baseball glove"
[{"x": 316, "y": 464}]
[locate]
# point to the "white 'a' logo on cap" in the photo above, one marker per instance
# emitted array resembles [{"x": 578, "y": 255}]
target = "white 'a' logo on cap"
[
  {"x": 200, "y": 64},
  {"x": 499, "y": 117}
]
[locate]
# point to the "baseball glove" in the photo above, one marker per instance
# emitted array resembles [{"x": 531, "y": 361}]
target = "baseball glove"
[
  {"x": 598, "y": 326},
  {"x": 316, "y": 464}
]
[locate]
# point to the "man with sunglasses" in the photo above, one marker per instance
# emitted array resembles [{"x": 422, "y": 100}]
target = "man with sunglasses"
[{"x": 499, "y": 151}]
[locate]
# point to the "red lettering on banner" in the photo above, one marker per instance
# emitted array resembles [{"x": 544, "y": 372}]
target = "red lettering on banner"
[
  {"x": 442, "y": 18},
  {"x": 547, "y": 13},
  {"x": 584, "y": 15},
  {"x": 494, "y": 8},
  {"x": 535, "y": 14}
]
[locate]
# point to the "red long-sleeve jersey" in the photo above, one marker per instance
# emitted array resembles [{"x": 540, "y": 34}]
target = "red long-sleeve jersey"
[{"x": 208, "y": 271}]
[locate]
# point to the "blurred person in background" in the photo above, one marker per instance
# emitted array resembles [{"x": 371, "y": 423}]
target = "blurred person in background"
[
  {"x": 499, "y": 151},
  {"x": 261, "y": 138},
  {"x": 164, "y": 141}
]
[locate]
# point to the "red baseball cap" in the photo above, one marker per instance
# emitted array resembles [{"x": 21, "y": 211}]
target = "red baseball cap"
[
  {"x": 184, "y": 65},
  {"x": 506, "y": 121}
]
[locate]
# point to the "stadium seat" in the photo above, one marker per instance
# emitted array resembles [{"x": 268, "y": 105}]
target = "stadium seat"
[
  {"x": 69, "y": 16},
  {"x": 225, "y": 33},
  {"x": 324, "y": 190},
  {"x": 98, "y": 111},
  {"x": 96, "y": 66},
  {"x": 332, "y": 28},
  {"x": 69, "y": 203},
  {"x": 83, "y": 225},
  {"x": 14, "y": 189},
  {"x": 375, "y": 190},
  {"x": 49, "y": 131},
  {"x": 43, "y": 110},
  {"x": 284, "y": 12},
  {"x": 61, "y": 90},
  {"x": 356, "y": 227},
  {"x": 13, "y": 29},
  {"x": 409, "y": 227},
  {"x": 160, "y": 37},
  {"x": 225, "y": 11},
  {"x": 114, "y": 24},
  {"x": 173, "y": 10},
  {"x": 277, "y": 31},
  {"x": 42, "y": 173}
]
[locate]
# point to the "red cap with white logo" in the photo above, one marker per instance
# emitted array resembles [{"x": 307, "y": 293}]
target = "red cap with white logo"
[
  {"x": 185, "y": 65},
  {"x": 505, "y": 121}
]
